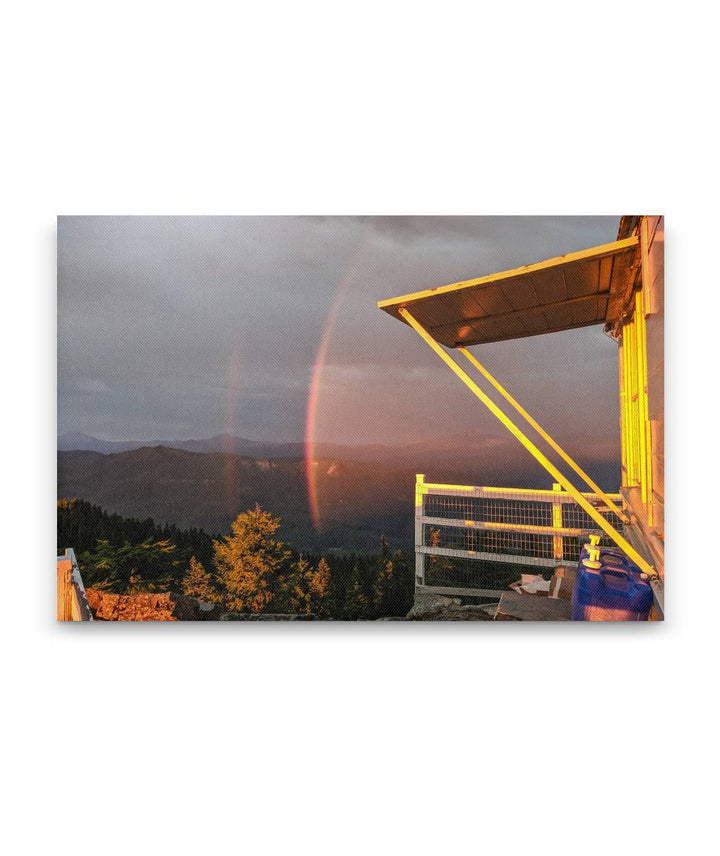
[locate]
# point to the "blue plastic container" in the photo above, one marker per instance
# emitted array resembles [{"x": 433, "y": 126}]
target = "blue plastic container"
[{"x": 614, "y": 591}]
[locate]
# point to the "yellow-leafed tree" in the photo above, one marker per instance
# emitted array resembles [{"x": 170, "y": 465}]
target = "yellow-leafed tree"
[
  {"x": 197, "y": 582},
  {"x": 251, "y": 564},
  {"x": 318, "y": 580}
]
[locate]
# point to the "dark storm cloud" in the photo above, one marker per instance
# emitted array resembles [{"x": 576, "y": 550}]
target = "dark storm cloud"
[{"x": 182, "y": 327}]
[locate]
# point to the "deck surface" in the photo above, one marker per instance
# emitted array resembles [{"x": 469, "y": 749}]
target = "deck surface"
[{"x": 529, "y": 607}]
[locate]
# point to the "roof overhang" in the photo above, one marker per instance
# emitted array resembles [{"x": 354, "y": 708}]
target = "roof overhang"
[{"x": 580, "y": 289}]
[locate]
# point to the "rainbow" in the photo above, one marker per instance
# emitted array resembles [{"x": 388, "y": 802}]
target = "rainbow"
[
  {"x": 311, "y": 413},
  {"x": 232, "y": 407}
]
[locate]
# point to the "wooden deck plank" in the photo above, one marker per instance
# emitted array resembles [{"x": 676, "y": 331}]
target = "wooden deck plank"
[{"x": 528, "y": 607}]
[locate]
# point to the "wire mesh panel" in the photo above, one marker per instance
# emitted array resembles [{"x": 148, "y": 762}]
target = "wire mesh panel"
[
  {"x": 481, "y": 537},
  {"x": 484, "y": 541},
  {"x": 517, "y": 512},
  {"x": 452, "y": 507},
  {"x": 488, "y": 510},
  {"x": 469, "y": 573},
  {"x": 574, "y": 517}
]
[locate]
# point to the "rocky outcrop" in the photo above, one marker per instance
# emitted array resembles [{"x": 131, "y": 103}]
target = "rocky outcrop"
[
  {"x": 429, "y": 607},
  {"x": 164, "y": 606}
]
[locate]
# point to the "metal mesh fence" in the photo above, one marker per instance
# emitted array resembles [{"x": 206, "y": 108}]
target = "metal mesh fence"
[
  {"x": 471, "y": 573},
  {"x": 574, "y": 517},
  {"x": 489, "y": 510},
  {"x": 441, "y": 531},
  {"x": 484, "y": 541}
]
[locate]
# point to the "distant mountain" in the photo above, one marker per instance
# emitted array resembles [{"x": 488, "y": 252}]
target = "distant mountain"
[
  {"x": 359, "y": 500},
  {"x": 76, "y": 441},
  {"x": 470, "y": 453}
]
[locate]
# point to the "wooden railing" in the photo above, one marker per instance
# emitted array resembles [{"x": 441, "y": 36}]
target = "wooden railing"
[{"x": 72, "y": 604}]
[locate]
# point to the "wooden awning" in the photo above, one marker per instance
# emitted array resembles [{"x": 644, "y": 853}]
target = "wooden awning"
[{"x": 576, "y": 290}]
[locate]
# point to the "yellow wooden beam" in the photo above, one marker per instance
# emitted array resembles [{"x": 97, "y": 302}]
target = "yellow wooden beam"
[
  {"x": 541, "y": 431},
  {"x": 557, "y": 524},
  {"x": 595, "y": 515},
  {"x": 643, "y": 405}
]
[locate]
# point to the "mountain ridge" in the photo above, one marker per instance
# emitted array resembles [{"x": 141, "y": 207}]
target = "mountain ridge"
[
  {"x": 357, "y": 500},
  {"x": 453, "y": 450}
]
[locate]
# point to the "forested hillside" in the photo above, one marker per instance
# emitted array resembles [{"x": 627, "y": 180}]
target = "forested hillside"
[
  {"x": 247, "y": 569},
  {"x": 357, "y": 501},
  {"x": 80, "y": 525}
]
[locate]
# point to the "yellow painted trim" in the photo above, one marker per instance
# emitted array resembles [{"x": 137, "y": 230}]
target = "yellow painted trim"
[
  {"x": 450, "y": 486},
  {"x": 624, "y": 545},
  {"x": 602, "y": 250},
  {"x": 639, "y": 392},
  {"x": 636, "y": 426},
  {"x": 490, "y": 526},
  {"x": 644, "y": 408},
  {"x": 645, "y": 267},
  {"x": 629, "y": 345},
  {"x": 627, "y": 426},
  {"x": 623, "y": 409},
  {"x": 541, "y": 431},
  {"x": 542, "y": 495},
  {"x": 557, "y": 524},
  {"x": 419, "y": 489}
]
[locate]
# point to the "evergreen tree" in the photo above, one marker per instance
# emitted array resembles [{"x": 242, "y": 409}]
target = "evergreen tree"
[
  {"x": 292, "y": 594},
  {"x": 384, "y": 549},
  {"x": 336, "y": 592},
  {"x": 397, "y": 586},
  {"x": 197, "y": 582},
  {"x": 81, "y": 525},
  {"x": 304, "y": 588},
  {"x": 368, "y": 579},
  {"x": 256, "y": 570},
  {"x": 150, "y": 566},
  {"x": 356, "y": 603},
  {"x": 252, "y": 565},
  {"x": 318, "y": 583}
]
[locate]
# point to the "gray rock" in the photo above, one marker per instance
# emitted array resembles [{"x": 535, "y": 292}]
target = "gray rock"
[
  {"x": 430, "y": 603},
  {"x": 452, "y": 612}
]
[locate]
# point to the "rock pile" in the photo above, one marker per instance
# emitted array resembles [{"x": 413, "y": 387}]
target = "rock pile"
[{"x": 164, "y": 606}]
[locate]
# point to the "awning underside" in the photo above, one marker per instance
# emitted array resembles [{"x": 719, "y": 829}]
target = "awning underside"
[{"x": 575, "y": 290}]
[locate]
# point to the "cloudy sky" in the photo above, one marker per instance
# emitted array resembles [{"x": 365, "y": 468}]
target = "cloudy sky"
[{"x": 187, "y": 327}]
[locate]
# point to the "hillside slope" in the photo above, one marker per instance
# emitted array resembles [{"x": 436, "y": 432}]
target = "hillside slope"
[{"x": 358, "y": 501}]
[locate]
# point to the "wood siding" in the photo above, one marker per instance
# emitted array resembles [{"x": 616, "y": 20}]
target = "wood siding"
[
  {"x": 653, "y": 271},
  {"x": 642, "y": 405}
]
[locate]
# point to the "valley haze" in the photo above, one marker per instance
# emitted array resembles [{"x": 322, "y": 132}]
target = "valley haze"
[{"x": 364, "y": 491}]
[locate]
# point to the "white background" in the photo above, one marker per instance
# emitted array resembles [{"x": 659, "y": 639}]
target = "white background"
[{"x": 384, "y": 738}]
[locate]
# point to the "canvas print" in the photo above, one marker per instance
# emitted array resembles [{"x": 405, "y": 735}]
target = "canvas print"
[{"x": 360, "y": 418}]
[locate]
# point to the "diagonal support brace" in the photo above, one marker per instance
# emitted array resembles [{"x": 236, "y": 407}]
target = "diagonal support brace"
[
  {"x": 612, "y": 533},
  {"x": 541, "y": 431}
]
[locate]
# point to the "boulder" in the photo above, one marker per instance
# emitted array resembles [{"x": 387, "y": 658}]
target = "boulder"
[
  {"x": 430, "y": 603},
  {"x": 452, "y": 612}
]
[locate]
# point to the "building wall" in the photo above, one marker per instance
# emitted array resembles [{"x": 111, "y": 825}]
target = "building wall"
[
  {"x": 653, "y": 276},
  {"x": 642, "y": 395}
]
